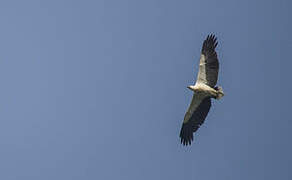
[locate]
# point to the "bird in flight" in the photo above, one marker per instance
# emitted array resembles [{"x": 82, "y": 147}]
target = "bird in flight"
[{"x": 204, "y": 90}]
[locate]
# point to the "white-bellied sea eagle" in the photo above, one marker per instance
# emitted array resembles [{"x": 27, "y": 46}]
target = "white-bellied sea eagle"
[{"x": 204, "y": 90}]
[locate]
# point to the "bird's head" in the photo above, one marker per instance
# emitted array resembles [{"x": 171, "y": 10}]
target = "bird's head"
[{"x": 192, "y": 88}]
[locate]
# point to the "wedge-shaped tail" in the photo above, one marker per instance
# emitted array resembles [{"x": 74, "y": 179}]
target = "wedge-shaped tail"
[{"x": 220, "y": 92}]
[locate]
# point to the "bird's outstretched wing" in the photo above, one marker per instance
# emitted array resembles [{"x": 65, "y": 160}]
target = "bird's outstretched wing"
[
  {"x": 194, "y": 118},
  {"x": 209, "y": 65}
]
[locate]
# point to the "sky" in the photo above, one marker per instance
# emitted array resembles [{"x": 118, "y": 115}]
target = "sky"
[{"x": 97, "y": 90}]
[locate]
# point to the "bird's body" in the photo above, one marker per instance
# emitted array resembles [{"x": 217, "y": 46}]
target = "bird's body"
[{"x": 204, "y": 89}]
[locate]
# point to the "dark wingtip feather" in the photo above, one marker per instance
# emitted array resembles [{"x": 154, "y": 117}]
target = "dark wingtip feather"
[
  {"x": 209, "y": 44},
  {"x": 186, "y": 135}
]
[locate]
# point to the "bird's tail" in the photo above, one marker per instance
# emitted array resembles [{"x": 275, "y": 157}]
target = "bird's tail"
[{"x": 220, "y": 92}]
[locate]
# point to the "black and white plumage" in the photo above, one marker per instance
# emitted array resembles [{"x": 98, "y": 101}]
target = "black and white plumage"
[{"x": 204, "y": 89}]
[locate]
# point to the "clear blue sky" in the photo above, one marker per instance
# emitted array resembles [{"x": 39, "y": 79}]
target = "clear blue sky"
[{"x": 97, "y": 90}]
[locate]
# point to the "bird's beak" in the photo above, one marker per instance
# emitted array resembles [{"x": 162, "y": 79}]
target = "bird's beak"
[{"x": 189, "y": 87}]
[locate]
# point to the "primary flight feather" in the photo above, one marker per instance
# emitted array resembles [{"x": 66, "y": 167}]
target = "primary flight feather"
[{"x": 204, "y": 89}]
